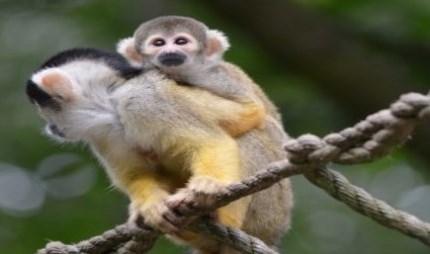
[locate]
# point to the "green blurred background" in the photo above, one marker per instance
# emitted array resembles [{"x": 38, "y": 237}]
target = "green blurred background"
[{"x": 326, "y": 64}]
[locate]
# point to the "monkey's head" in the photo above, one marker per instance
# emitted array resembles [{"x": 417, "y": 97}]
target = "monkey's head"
[
  {"x": 71, "y": 91},
  {"x": 174, "y": 43}
]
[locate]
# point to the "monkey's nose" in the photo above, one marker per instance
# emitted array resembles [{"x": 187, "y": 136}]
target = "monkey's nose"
[{"x": 172, "y": 59}]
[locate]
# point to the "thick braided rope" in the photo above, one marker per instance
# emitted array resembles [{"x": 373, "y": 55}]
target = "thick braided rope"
[
  {"x": 124, "y": 240},
  {"x": 141, "y": 242},
  {"x": 367, "y": 140},
  {"x": 374, "y": 137},
  {"x": 361, "y": 201},
  {"x": 95, "y": 245},
  {"x": 234, "y": 238}
]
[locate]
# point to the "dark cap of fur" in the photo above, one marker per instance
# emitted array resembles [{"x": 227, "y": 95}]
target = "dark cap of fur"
[
  {"x": 171, "y": 24},
  {"x": 40, "y": 97},
  {"x": 113, "y": 60}
]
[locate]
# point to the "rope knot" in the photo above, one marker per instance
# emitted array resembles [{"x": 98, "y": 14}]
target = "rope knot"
[{"x": 299, "y": 149}]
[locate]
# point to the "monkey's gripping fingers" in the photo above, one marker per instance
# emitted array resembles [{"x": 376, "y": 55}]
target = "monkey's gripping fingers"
[
  {"x": 183, "y": 205},
  {"x": 181, "y": 202},
  {"x": 157, "y": 216},
  {"x": 205, "y": 191}
]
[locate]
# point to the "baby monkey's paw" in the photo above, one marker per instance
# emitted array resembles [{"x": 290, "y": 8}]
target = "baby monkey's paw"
[
  {"x": 158, "y": 216},
  {"x": 205, "y": 191}
]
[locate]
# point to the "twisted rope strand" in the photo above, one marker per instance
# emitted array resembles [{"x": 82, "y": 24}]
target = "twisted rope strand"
[
  {"x": 95, "y": 245},
  {"x": 137, "y": 241},
  {"x": 361, "y": 201},
  {"x": 369, "y": 139},
  {"x": 140, "y": 243},
  {"x": 235, "y": 238}
]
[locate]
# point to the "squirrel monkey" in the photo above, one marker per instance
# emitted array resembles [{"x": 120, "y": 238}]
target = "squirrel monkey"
[
  {"x": 188, "y": 51},
  {"x": 155, "y": 137}
]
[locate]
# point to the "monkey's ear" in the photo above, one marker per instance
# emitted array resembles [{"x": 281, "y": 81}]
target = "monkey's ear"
[
  {"x": 54, "y": 82},
  {"x": 126, "y": 47},
  {"x": 217, "y": 44}
]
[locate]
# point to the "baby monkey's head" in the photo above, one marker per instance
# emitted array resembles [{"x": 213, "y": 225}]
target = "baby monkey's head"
[{"x": 174, "y": 43}]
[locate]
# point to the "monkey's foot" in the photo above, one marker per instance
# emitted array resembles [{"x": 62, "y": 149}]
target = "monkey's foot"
[
  {"x": 205, "y": 191},
  {"x": 182, "y": 204},
  {"x": 202, "y": 193},
  {"x": 158, "y": 216}
]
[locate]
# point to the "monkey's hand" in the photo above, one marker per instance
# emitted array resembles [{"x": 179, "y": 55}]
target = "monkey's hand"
[
  {"x": 205, "y": 191},
  {"x": 201, "y": 193},
  {"x": 182, "y": 204},
  {"x": 158, "y": 216}
]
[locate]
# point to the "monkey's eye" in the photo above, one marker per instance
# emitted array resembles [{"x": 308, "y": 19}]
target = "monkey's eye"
[
  {"x": 158, "y": 42},
  {"x": 181, "y": 41}
]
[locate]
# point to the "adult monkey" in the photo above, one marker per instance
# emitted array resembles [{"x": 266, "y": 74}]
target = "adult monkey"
[{"x": 142, "y": 126}]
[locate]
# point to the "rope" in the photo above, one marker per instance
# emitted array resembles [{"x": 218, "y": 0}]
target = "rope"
[
  {"x": 235, "y": 238},
  {"x": 95, "y": 245},
  {"x": 361, "y": 201},
  {"x": 133, "y": 241},
  {"x": 372, "y": 138},
  {"x": 140, "y": 243},
  {"x": 369, "y": 139}
]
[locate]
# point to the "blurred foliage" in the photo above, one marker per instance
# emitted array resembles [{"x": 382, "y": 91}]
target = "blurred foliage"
[
  {"x": 402, "y": 21},
  {"x": 52, "y": 191}
]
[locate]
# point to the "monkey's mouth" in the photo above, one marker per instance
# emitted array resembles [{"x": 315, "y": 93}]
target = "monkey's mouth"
[{"x": 172, "y": 59}]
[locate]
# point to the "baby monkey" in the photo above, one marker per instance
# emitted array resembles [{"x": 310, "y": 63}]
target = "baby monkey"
[{"x": 189, "y": 52}]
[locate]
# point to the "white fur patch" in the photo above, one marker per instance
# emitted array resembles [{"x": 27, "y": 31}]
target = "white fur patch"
[
  {"x": 38, "y": 76},
  {"x": 225, "y": 44},
  {"x": 217, "y": 56},
  {"x": 124, "y": 46}
]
